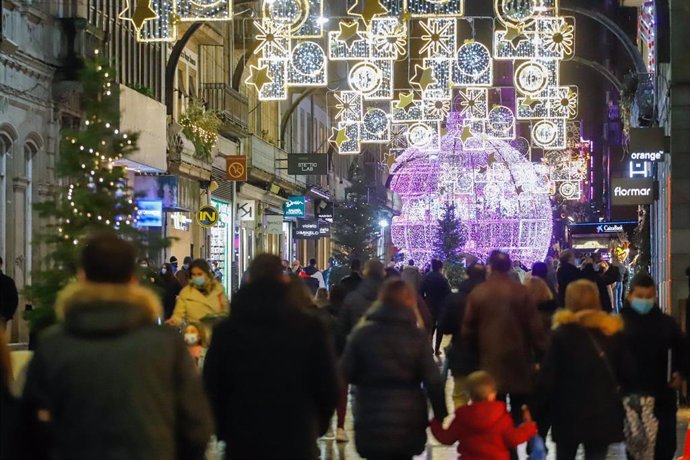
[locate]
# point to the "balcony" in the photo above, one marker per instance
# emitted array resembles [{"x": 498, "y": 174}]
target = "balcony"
[
  {"x": 231, "y": 106},
  {"x": 268, "y": 162}
]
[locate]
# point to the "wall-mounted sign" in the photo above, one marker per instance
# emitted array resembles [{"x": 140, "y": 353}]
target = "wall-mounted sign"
[
  {"x": 207, "y": 216},
  {"x": 631, "y": 192},
  {"x": 163, "y": 188},
  {"x": 307, "y": 229},
  {"x": 324, "y": 210},
  {"x": 180, "y": 221},
  {"x": 602, "y": 228},
  {"x": 324, "y": 229},
  {"x": 274, "y": 225},
  {"x": 647, "y": 144},
  {"x": 149, "y": 213},
  {"x": 639, "y": 169},
  {"x": 302, "y": 164},
  {"x": 236, "y": 168},
  {"x": 295, "y": 206},
  {"x": 246, "y": 210}
]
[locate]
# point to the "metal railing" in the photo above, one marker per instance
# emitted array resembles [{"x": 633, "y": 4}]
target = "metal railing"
[{"x": 230, "y": 105}]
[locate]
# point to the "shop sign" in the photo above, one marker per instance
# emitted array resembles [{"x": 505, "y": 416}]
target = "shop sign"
[
  {"x": 324, "y": 229},
  {"x": 246, "y": 210},
  {"x": 307, "y": 229},
  {"x": 149, "y": 213},
  {"x": 274, "y": 225},
  {"x": 312, "y": 164},
  {"x": 295, "y": 206},
  {"x": 163, "y": 188},
  {"x": 207, "y": 216},
  {"x": 632, "y": 192},
  {"x": 180, "y": 221},
  {"x": 224, "y": 211},
  {"x": 236, "y": 168},
  {"x": 324, "y": 211},
  {"x": 602, "y": 228},
  {"x": 647, "y": 144}
]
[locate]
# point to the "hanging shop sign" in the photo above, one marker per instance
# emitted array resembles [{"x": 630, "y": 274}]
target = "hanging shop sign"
[
  {"x": 302, "y": 164},
  {"x": 307, "y": 229},
  {"x": 631, "y": 192},
  {"x": 207, "y": 216},
  {"x": 295, "y": 206},
  {"x": 602, "y": 228},
  {"x": 324, "y": 211},
  {"x": 246, "y": 210},
  {"x": 274, "y": 225},
  {"x": 149, "y": 213},
  {"x": 647, "y": 144},
  {"x": 236, "y": 168},
  {"x": 324, "y": 229}
]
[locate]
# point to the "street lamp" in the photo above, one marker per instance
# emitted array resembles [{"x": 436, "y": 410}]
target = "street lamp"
[{"x": 383, "y": 223}]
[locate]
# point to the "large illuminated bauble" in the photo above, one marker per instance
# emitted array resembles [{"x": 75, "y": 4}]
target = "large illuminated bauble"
[{"x": 499, "y": 197}]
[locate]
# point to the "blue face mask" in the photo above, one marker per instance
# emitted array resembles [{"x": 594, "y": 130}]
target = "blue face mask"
[
  {"x": 642, "y": 306},
  {"x": 199, "y": 280}
]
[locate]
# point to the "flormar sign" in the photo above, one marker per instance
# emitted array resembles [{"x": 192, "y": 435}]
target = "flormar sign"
[{"x": 631, "y": 192}]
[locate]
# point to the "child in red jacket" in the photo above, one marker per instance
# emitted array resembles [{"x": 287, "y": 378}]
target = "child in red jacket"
[{"x": 484, "y": 428}]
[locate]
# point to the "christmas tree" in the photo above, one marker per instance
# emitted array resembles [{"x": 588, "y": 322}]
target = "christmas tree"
[
  {"x": 355, "y": 231},
  {"x": 93, "y": 194},
  {"x": 451, "y": 237}
]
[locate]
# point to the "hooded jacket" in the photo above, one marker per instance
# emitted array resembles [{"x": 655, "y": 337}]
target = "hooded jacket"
[
  {"x": 388, "y": 359},
  {"x": 270, "y": 374},
  {"x": 116, "y": 385},
  {"x": 485, "y": 431},
  {"x": 357, "y": 303},
  {"x": 192, "y": 304},
  {"x": 578, "y": 389}
]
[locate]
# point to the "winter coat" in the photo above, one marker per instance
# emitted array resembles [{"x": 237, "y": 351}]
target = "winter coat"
[
  {"x": 357, "y": 303},
  {"x": 435, "y": 289},
  {"x": 576, "y": 390},
  {"x": 598, "y": 279},
  {"x": 9, "y": 420},
  {"x": 411, "y": 275},
  {"x": 566, "y": 274},
  {"x": 192, "y": 304},
  {"x": 116, "y": 385},
  {"x": 485, "y": 431},
  {"x": 170, "y": 288},
  {"x": 462, "y": 357},
  {"x": 388, "y": 358},
  {"x": 270, "y": 374},
  {"x": 502, "y": 323},
  {"x": 182, "y": 276},
  {"x": 351, "y": 281},
  {"x": 649, "y": 338},
  {"x": 9, "y": 297}
]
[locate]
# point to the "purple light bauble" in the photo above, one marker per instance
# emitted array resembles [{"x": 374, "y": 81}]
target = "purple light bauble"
[{"x": 499, "y": 195}]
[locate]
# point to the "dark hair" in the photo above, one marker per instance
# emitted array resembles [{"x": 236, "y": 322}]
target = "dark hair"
[
  {"x": 265, "y": 267},
  {"x": 540, "y": 270},
  {"x": 173, "y": 260},
  {"x": 202, "y": 265},
  {"x": 0, "y": 260},
  {"x": 356, "y": 265},
  {"x": 566, "y": 256},
  {"x": 105, "y": 258},
  {"x": 169, "y": 276},
  {"x": 374, "y": 269},
  {"x": 312, "y": 261},
  {"x": 338, "y": 294},
  {"x": 476, "y": 272},
  {"x": 187, "y": 260},
  {"x": 436, "y": 265},
  {"x": 500, "y": 262},
  {"x": 391, "y": 273},
  {"x": 642, "y": 280},
  {"x": 410, "y": 262}
]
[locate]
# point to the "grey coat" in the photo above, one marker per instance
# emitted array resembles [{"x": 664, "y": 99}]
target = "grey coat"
[{"x": 357, "y": 303}]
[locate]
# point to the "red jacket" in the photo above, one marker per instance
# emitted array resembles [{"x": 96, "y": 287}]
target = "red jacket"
[{"x": 484, "y": 430}]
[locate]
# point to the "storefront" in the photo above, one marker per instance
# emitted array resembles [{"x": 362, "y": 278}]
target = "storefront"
[
  {"x": 220, "y": 243},
  {"x": 599, "y": 237}
]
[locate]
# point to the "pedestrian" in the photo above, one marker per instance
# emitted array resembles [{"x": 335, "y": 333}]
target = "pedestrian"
[
  {"x": 270, "y": 371},
  {"x": 9, "y": 298},
  {"x": 296, "y": 267},
  {"x": 183, "y": 274},
  {"x": 387, "y": 360},
  {"x": 460, "y": 355},
  {"x": 659, "y": 350},
  {"x": 217, "y": 272},
  {"x": 351, "y": 281},
  {"x": 170, "y": 288},
  {"x": 106, "y": 381},
  {"x": 434, "y": 289},
  {"x": 578, "y": 386},
  {"x": 313, "y": 272},
  {"x": 411, "y": 275},
  {"x": 541, "y": 270},
  {"x": 195, "y": 338},
  {"x": 358, "y": 301},
  {"x": 321, "y": 298},
  {"x": 484, "y": 429},
  {"x": 391, "y": 272},
  {"x": 592, "y": 271},
  {"x": 336, "y": 300},
  {"x": 545, "y": 300},
  {"x": 503, "y": 324},
  {"x": 551, "y": 273},
  {"x": 566, "y": 274},
  {"x": 9, "y": 406},
  {"x": 173, "y": 264},
  {"x": 203, "y": 296},
  {"x": 286, "y": 267}
]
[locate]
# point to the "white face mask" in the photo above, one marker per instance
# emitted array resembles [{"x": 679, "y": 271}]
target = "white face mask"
[
  {"x": 191, "y": 339},
  {"x": 164, "y": 271}
]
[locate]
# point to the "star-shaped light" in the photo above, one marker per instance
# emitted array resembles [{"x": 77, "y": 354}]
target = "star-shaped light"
[
  {"x": 466, "y": 134},
  {"x": 435, "y": 37},
  {"x": 272, "y": 38},
  {"x": 141, "y": 13},
  {"x": 339, "y": 136},
  {"x": 423, "y": 77},
  {"x": 519, "y": 190},
  {"x": 528, "y": 101},
  {"x": 404, "y": 100},
  {"x": 349, "y": 32},
  {"x": 346, "y": 105},
  {"x": 514, "y": 35},
  {"x": 370, "y": 10},
  {"x": 483, "y": 170},
  {"x": 258, "y": 77},
  {"x": 491, "y": 159}
]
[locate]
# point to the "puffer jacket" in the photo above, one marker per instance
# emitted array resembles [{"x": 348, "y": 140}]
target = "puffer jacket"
[
  {"x": 115, "y": 385},
  {"x": 192, "y": 305},
  {"x": 388, "y": 359},
  {"x": 357, "y": 303}
]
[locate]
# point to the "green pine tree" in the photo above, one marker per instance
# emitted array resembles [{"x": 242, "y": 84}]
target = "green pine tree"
[
  {"x": 355, "y": 231},
  {"x": 451, "y": 236},
  {"x": 93, "y": 194}
]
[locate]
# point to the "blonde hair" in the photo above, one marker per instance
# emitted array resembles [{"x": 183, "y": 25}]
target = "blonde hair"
[
  {"x": 480, "y": 385},
  {"x": 538, "y": 289},
  {"x": 582, "y": 295},
  {"x": 394, "y": 291}
]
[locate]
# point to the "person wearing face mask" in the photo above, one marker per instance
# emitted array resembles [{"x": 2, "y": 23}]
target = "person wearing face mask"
[
  {"x": 203, "y": 296},
  {"x": 182, "y": 274},
  {"x": 196, "y": 342},
  {"x": 659, "y": 350},
  {"x": 169, "y": 287}
]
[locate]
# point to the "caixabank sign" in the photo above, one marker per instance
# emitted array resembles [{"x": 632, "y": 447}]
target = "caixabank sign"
[{"x": 632, "y": 192}]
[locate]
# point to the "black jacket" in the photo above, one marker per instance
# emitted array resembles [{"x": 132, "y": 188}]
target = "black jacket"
[
  {"x": 116, "y": 385},
  {"x": 270, "y": 374},
  {"x": 351, "y": 281},
  {"x": 169, "y": 288},
  {"x": 576, "y": 388},
  {"x": 462, "y": 355},
  {"x": 357, "y": 303},
  {"x": 434, "y": 290},
  {"x": 566, "y": 274},
  {"x": 9, "y": 297},
  {"x": 598, "y": 279},
  {"x": 649, "y": 338},
  {"x": 388, "y": 358}
]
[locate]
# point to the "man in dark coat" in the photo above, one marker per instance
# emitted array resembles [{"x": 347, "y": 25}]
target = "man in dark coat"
[
  {"x": 358, "y": 302},
  {"x": 351, "y": 281},
  {"x": 270, "y": 371},
  {"x": 434, "y": 290},
  {"x": 107, "y": 382},
  {"x": 659, "y": 350},
  {"x": 9, "y": 298},
  {"x": 592, "y": 271},
  {"x": 182, "y": 274},
  {"x": 566, "y": 274}
]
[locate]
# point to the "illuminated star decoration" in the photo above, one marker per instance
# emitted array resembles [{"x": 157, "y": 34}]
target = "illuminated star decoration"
[
  {"x": 423, "y": 77},
  {"x": 514, "y": 35},
  {"x": 349, "y": 33},
  {"x": 404, "y": 100},
  {"x": 491, "y": 159},
  {"x": 339, "y": 136},
  {"x": 345, "y": 106},
  {"x": 142, "y": 13},
  {"x": 258, "y": 77},
  {"x": 466, "y": 134},
  {"x": 370, "y": 10},
  {"x": 268, "y": 36},
  {"x": 530, "y": 102},
  {"x": 433, "y": 37},
  {"x": 519, "y": 190}
]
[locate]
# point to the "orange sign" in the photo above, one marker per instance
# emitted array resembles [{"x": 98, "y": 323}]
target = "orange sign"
[{"x": 236, "y": 168}]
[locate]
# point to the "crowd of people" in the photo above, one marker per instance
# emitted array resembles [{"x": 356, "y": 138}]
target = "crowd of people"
[{"x": 529, "y": 354}]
